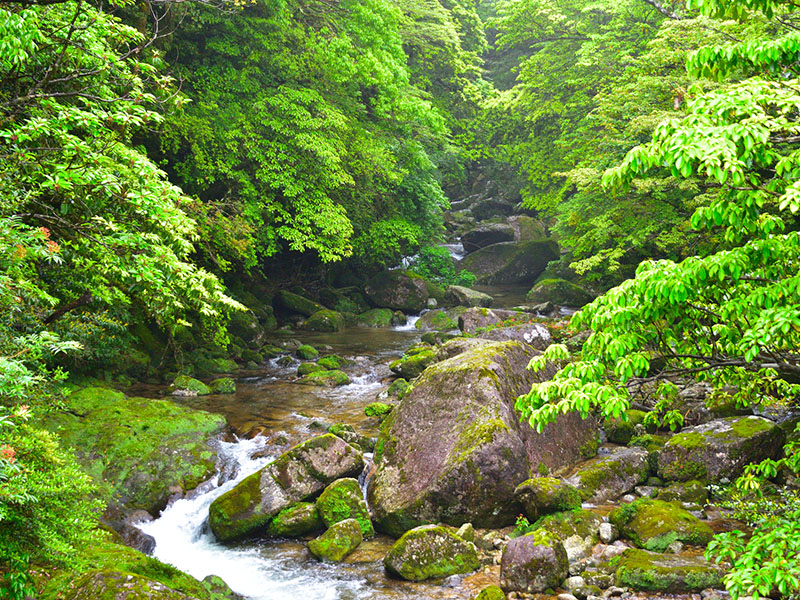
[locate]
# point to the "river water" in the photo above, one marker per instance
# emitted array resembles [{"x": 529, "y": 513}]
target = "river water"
[{"x": 270, "y": 412}]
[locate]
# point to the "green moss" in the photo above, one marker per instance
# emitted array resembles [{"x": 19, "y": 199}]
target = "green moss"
[
  {"x": 398, "y": 388},
  {"x": 308, "y": 368},
  {"x": 689, "y": 441},
  {"x": 343, "y": 500},
  {"x": 561, "y": 526},
  {"x": 491, "y": 593},
  {"x": 378, "y": 409},
  {"x": 690, "y": 491},
  {"x": 330, "y": 362},
  {"x": 621, "y": 431},
  {"x": 224, "y": 385},
  {"x": 195, "y": 386},
  {"x": 326, "y": 378},
  {"x": 325, "y": 320},
  {"x": 297, "y": 520},
  {"x": 429, "y": 553},
  {"x": 589, "y": 449},
  {"x": 307, "y": 352},
  {"x": 542, "y": 469},
  {"x": 655, "y": 524},
  {"x": 337, "y": 542},
  {"x": 237, "y": 511},
  {"x": 377, "y": 317},
  {"x": 648, "y": 571},
  {"x": 480, "y": 432},
  {"x": 410, "y": 366},
  {"x": 747, "y": 428}
]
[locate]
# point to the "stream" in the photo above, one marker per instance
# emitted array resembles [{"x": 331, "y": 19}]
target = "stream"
[{"x": 269, "y": 413}]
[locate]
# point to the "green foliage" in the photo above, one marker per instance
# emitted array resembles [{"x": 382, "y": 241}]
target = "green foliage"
[
  {"x": 386, "y": 242},
  {"x": 435, "y": 264}
]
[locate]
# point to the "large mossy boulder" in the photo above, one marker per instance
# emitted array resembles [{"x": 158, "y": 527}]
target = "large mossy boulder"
[
  {"x": 545, "y": 495},
  {"x": 245, "y": 325},
  {"x": 671, "y": 573},
  {"x": 655, "y": 524},
  {"x": 440, "y": 319},
  {"x": 109, "y": 584},
  {"x": 611, "y": 475},
  {"x": 324, "y": 320},
  {"x": 475, "y": 319},
  {"x": 533, "y": 563},
  {"x": 339, "y": 541},
  {"x": 223, "y": 385},
  {"x": 188, "y": 386},
  {"x": 398, "y": 290},
  {"x": 431, "y": 551},
  {"x": 344, "y": 300},
  {"x": 136, "y": 449},
  {"x": 297, "y": 475},
  {"x": 527, "y": 228},
  {"x": 454, "y": 449},
  {"x": 343, "y": 499},
  {"x": 464, "y": 296},
  {"x": 719, "y": 449},
  {"x": 510, "y": 262},
  {"x": 560, "y": 292},
  {"x": 377, "y": 317},
  {"x": 326, "y": 378},
  {"x": 297, "y": 520},
  {"x": 294, "y": 304},
  {"x": 414, "y": 362},
  {"x": 486, "y": 235},
  {"x": 577, "y": 530}
]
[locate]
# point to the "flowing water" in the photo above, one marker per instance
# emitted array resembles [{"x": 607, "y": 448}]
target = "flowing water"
[{"x": 270, "y": 412}]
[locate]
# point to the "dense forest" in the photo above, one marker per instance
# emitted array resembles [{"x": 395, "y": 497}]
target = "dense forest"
[{"x": 188, "y": 187}]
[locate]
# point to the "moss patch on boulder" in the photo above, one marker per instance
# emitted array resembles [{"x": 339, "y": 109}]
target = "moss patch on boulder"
[
  {"x": 188, "y": 386},
  {"x": 612, "y": 475},
  {"x": 340, "y": 540},
  {"x": 223, "y": 385},
  {"x": 326, "y": 378},
  {"x": 654, "y": 572},
  {"x": 621, "y": 431},
  {"x": 297, "y": 520},
  {"x": 431, "y": 551},
  {"x": 545, "y": 495},
  {"x": 308, "y": 368},
  {"x": 324, "y": 320},
  {"x": 307, "y": 352},
  {"x": 655, "y": 524},
  {"x": 411, "y": 366},
  {"x": 343, "y": 499}
]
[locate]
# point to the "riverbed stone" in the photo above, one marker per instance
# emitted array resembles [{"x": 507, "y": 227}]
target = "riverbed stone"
[
  {"x": 655, "y": 524},
  {"x": 611, "y": 475},
  {"x": 533, "y": 563},
  {"x": 324, "y": 320},
  {"x": 223, "y": 385},
  {"x": 326, "y": 378},
  {"x": 464, "y": 296},
  {"x": 136, "y": 449},
  {"x": 309, "y": 367},
  {"x": 656, "y": 572},
  {"x": 377, "y": 317},
  {"x": 440, "y": 319},
  {"x": 343, "y": 499},
  {"x": 431, "y": 551},
  {"x": 560, "y": 292},
  {"x": 188, "y": 386},
  {"x": 578, "y": 530},
  {"x": 694, "y": 492},
  {"x": 478, "y": 318},
  {"x": 398, "y": 290},
  {"x": 719, "y": 449},
  {"x": 340, "y": 540},
  {"x": 331, "y": 362},
  {"x": 297, "y": 475},
  {"x": 297, "y": 520},
  {"x": 544, "y": 495},
  {"x": 414, "y": 362},
  {"x": 486, "y": 235},
  {"x": 454, "y": 449},
  {"x": 510, "y": 262},
  {"x": 306, "y": 352},
  {"x": 491, "y": 592}
]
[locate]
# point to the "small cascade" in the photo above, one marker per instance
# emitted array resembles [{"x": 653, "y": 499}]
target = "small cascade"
[{"x": 409, "y": 326}]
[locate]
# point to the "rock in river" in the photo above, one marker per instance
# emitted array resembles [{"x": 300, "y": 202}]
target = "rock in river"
[
  {"x": 655, "y": 572},
  {"x": 398, "y": 290},
  {"x": 296, "y": 475},
  {"x": 533, "y": 563},
  {"x": 453, "y": 450},
  {"x": 338, "y": 542},
  {"x": 431, "y": 551},
  {"x": 655, "y": 524},
  {"x": 511, "y": 262}
]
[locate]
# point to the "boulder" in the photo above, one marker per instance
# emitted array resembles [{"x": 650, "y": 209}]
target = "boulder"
[
  {"x": 454, "y": 449},
  {"x": 398, "y": 290},
  {"x": 188, "y": 386},
  {"x": 297, "y": 520},
  {"x": 414, "y": 362},
  {"x": 490, "y": 208},
  {"x": 527, "y": 228},
  {"x": 533, "y": 334},
  {"x": 308, "y": 368},
  {"x": 348, "y": 434},
  {"x": 140, "y": 450},
  {"x": 560, "y": 292},
  {"x": 533, "y": 563},
  {"x": 223, "y": 385},
  {"x": 295, "y": 304},
  {"x": 621, "y": 431},
  {"x": 324, "y": 320},
  {"x": 244, "y": 324},
  {"x": 344, "y": 300},
  {"x": 464, "y": 296},
  {"x": 331, "y": 362},
  {"x": 690, "y": 492},
  {"x": 343, "y": 499},
  {"x": 307, "y": 352},
  {"x": 719, "y": 448},
  {"x": 110, "y": 584},
  {"x": 655, "y": 524},
  {"x": 486, "y": 235},
  {"x": 377, "y": 317},
  {"x": 578, "y": 530},
  {"x": 431, "y": 551},
  {"x": 546, "y": 495},
  {"x": 510, "y": 262},
  {"x": 337, "y": 542},
  {"x": 298, "y": 474},
  {"x": 440, "y": 319},
  {"x": 491, "y": 592},
  {"x": 655, "y": 572},
  {"x": 475, "y": 318},
  {"x": 609, "y": 476},
  {"x": 326, "y": 378}
]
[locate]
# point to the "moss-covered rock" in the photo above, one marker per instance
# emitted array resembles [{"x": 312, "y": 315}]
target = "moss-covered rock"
[
  {"x": 491, "y": 592},
  {"x": 440, "y": 319},
  {"x": 306, "y": 352},
  {"x": 343, "y": 499},
  {"x": 654, "y": 572},
  {"x": 545, "y": 495},
  {"x": 206, "y": 366},
  {"x": 560, "y": 292},
  {"x": 298, "y": 474},
  {"x": 324, "y": 320},
  {"x": 398, "y": 388},
  {"x": 485, "y": 235},
  {"x": 720, "y": 448},
  {"x": 245, "y": 325},
  {"x": 655, "y": 524},
  {"x": 340, "y": 540},
  {"x": 326, "y": 378},
  {"x": 188, "y": 386},
  {"x": 308, "y": 368},
  {"x": 609, "y": 476},
  {"x": 398, "y": 290},
  {"x": 378, "y": 409},
  {"x": 294, "y": 304},
  {"x": 137, "y": 448},
  {"x": 533, "y": 563},
  {"x": 431, "y": 551},
  {"x": 351, "y": 436},
  {"x": 621, "y": 431},
  {"x": 376, "y": 317},
  {"x": 577, "y": 530},
  {"x": 108, "y": 584},
  {"x": 331, "y": 362},
  {"x": 223, "y": 385},
  {"x": 464, "y": 296},
  {"x": 510, "y": 262},
  {"x": 410, "y": 366},
  {"x": 344, "y": 300},
  {"x": 297, "y": 520},
  {"x": 476, "y": 320},
  {"x": 694, "y": 492}
]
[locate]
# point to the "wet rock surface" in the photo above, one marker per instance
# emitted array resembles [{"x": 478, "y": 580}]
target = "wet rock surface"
[
  {"x": 533, "y": 563},
  {"x": 431, "y": 551}
]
